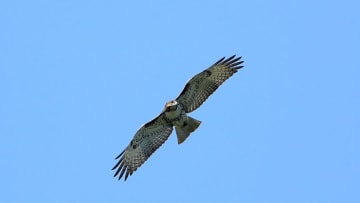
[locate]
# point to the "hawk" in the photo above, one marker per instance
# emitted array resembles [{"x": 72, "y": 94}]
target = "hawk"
[{"x": 153, "y": 134}]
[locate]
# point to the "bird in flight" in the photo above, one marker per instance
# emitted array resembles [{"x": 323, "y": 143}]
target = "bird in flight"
[{"x": 153, "y": 134}]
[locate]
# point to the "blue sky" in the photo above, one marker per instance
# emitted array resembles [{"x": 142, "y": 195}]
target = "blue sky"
[{"x": 78, "y": 78}]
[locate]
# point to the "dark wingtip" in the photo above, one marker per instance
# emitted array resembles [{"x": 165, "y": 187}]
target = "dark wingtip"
[
  {"x": 219, "y": 61},
  {"x": 122, "y": 172},
  {"x": 119, "y": 155},
  {"x": 230, "y": 59},
  {"x": 231, "y": 62},
  {"x": 236, "y": 65},
  {"x": 120, "y": 166}
]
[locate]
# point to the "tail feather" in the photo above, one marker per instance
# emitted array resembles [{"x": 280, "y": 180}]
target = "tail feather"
[{"x": 184, "y": 132}]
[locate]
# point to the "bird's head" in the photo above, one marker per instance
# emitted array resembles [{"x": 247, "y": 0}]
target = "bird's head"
[{"x": 171, "y": 106}]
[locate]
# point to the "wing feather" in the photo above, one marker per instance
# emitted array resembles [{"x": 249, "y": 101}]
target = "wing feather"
[
  {"x": 202, "y": 85},
  {"x": 145, "y": 142}
]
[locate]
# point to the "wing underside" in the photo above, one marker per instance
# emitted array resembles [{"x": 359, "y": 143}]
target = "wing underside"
[
  {"x": 145, "y": 142},
  {"x": 202, "y": 85}
]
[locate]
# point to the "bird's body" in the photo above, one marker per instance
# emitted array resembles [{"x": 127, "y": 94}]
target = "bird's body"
[
  {"x": 153, "y": 134},
  {"x": 175, "y": 114}
]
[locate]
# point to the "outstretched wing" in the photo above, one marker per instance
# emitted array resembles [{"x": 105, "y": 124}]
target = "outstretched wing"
[
  {"x": 202, "y": 85},
  {"x": 146, "y": 140}
]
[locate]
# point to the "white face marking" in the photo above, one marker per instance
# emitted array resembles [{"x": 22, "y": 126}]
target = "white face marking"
[{"x": 171, "y": 106}]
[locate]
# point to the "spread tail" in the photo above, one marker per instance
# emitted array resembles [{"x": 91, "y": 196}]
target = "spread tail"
[{"x": 189, "y": 127}]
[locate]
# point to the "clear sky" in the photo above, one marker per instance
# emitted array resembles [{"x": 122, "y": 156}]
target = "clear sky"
[{"x": 78, "y": 78}]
